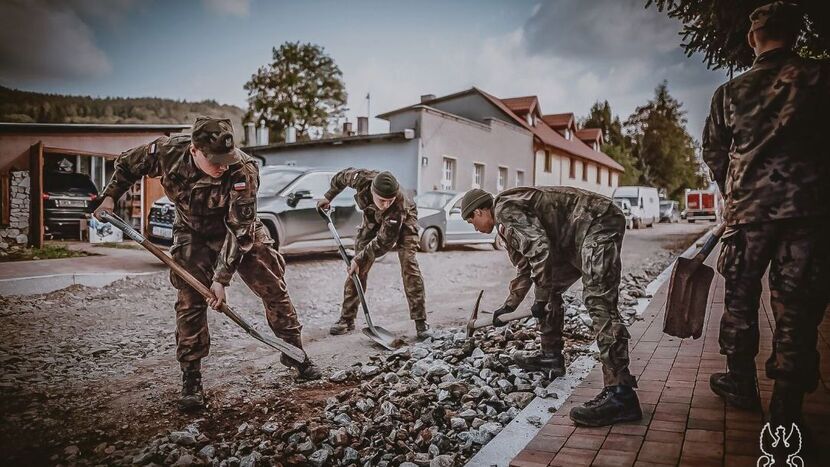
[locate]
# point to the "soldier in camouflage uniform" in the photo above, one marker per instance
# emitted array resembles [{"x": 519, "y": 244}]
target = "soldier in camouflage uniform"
[
  {"x": 766, "y": 147},
  {"x": 390, "y": 218},
  {"x": 554, "y": 236},
  {"x": 216, "y": 233}
]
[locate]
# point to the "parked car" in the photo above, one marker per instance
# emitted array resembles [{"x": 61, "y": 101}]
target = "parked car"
[
  {"x": 440, "y": 222},
  {"x": 669, "y": 211},
  {"x": 625, "y": 207},
  {"x": 160, "y": 221},
  {"x": 67, "y": 198},
  {"x": 645, "y": 204}
]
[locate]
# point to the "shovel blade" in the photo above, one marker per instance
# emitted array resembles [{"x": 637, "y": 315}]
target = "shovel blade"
[
  {"x": 687, "y": 298},
  {"x": 382, "y": 337}
]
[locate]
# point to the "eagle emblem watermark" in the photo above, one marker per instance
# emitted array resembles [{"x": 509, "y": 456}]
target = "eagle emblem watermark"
[{"x": 780, "y": 448}]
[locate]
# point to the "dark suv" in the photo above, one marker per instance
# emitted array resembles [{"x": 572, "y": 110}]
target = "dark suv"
[
  {"x": 67, "y": 198},
  {"x": 287, "y": 206}
]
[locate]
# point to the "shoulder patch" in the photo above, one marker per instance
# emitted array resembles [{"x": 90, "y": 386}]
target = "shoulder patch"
[{"x": 240, "y": 186}]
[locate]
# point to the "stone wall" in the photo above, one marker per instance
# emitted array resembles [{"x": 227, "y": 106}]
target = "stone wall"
[{"x": 16, "y": 234}]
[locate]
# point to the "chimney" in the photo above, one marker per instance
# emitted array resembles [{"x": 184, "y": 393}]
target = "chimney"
[
  {"x": 291, "y": 135},
  {"x": 426, "y": 98},
  {"x": 347, "y": 129},
  {"x": 250, "y": 134},
  {"x": 363, "y": 125},
  {"x": 262, "y": 134}
]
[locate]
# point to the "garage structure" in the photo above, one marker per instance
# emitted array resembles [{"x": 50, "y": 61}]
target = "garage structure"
[{"x": 27, "y": 149}]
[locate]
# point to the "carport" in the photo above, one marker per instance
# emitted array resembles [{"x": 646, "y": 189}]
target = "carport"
[{"x": 86, "y": 148}]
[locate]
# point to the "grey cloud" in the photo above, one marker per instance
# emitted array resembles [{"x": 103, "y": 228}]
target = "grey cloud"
[
  {"x": 43, "y": 41},
  {"x": 229, "y": 7}
]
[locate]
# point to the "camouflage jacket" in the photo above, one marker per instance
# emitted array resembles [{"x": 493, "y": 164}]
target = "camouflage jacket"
[
  {"x": 223, "y": 208},
  {"x": 399, "y": 220},
  {"x": 541, "y": 224},
  {"x": 764, "y": 141}
]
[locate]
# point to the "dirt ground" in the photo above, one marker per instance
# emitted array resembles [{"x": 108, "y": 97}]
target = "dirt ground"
[{"x": 95, "y": 368}]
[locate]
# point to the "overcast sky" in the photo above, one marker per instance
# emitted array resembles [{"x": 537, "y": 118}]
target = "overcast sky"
[{"x": 570, "y": 53}]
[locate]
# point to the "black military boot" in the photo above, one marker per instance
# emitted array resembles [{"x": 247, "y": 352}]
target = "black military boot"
[
  {"x": 614, "y": 404},
  {"x": 422, "y": 328},
  {"x": 737, "y": 389},
  {"x": 308, "y": 371},
  {"x": 552, "y": 362},
  {"x": 342, "y": 326},
  {"x": 193, "y": 396}
]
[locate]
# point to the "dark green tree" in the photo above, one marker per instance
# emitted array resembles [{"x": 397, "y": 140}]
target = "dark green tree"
[
  {"x": 666, "y": 154},
  {"x": 718, "y": 29},
  {"x": 301, "y": 87},
  {"x": 616, "y": 145}
]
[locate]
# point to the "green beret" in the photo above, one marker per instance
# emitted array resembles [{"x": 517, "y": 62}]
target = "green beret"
[
  {"x": 472, "y": 200},
  {"x": 214, "y": 137},
  {"x": 781, "y": 16},
  {"x": 385, "y": 185}
]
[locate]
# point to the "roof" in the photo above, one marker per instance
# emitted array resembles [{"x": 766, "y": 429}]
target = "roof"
[
  {"x": 523, "y": 105},
  {"x": 559, "y": 121},
  {"x": 7, "y": 127},
  {"x": 399, "y": 135},
  {"x": 589, "y": 134}
]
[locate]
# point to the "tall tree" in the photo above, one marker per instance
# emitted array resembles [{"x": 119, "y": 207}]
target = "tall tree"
[
  {"x": 665, "y": 152},
  {"x": 616, "y": 145},
  {"x": 301, "y": 87},
  {"x": 718, "y": 29}
]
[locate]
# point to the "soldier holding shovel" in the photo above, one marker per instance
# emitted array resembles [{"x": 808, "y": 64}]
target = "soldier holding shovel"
[
  {"x": 554, "y": 236},
  {"x": 216, "y": 234}
]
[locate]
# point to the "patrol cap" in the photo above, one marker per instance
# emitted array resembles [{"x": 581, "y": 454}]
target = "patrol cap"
[
  {"x": 385, "y": 185},
  {"x": 214, "y": 137},
  {"x": 473, "y": 200},
  {"x": 779, "y": 16}
]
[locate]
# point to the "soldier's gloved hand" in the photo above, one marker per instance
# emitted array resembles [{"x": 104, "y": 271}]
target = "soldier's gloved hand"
[
  {"x": 501, "y": 311},
  {"x": 538, "y": 309}
]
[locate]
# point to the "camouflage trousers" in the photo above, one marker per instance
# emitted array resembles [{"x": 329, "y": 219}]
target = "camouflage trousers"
[
  {"x": 413, "y": 282},
  {"x": 600, "y": 270},
  {"x": 262, "y": 269},
  {"x": 797, "y": 254}
]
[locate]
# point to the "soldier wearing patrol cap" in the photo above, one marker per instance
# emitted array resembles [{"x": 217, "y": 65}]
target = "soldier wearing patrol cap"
[
  {"x": 765, "y": 142},
  {"x": 390, "y": 219},
  {"x": 216, "y": 233},
  {"x": 554, "y": 236}
]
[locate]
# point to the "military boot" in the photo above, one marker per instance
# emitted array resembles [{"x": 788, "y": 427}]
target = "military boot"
[
  {"x": 737, "y": 389},
  {"x": 342, "y": 326},
  {"x": 193, "y": 396},
  {"x": 308, "y": 371},
  {"x": 552, "y": 362},
  {"x": 614, "y": 404},
  {"x": 422, "y": 328}
]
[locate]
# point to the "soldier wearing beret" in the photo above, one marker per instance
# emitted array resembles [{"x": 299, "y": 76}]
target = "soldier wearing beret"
[
  {"x": 215, "y": 234},
  {"x": 554, "y": 236},
  {"x": 765, "y": 142},
  {"x": 390, "y": 219}
]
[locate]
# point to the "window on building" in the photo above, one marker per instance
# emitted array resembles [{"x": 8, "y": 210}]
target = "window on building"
[
  {"x": 599, "y": 175},
  {"x": 502, "y": 182},
  {"x": 520, "y": 178},
  {"x": 478, "y": 175},
  {"x": 609, "y": 178},
  {"x": 448, "y": 174},
  {"x": 567, "y": 134},
  {"x": 584, "y": 171},
  {"x": 571, "y": 168},
  {"x": 548, "y": 162}
]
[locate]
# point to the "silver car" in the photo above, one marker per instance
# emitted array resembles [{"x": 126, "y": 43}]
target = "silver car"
[{"x": 440, "y": 223}]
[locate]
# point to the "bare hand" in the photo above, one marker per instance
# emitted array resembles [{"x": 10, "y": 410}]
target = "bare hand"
[
  {"x": 324, "y": 204},
  {"x": 354, "y": 268},
  {"x": 107, "y": 205},
  {"x": 218, "y": 291}
]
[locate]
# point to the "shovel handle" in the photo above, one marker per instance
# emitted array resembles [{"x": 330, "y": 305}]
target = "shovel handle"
[{"x": 711, "y": 242}]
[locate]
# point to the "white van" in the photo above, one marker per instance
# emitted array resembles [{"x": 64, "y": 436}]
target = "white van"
[{"x": 645, "y": 204}]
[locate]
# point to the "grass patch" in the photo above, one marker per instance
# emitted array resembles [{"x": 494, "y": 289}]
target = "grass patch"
[
  {"x": 123, "y": 246},
  {"x": 47, "y": 252}
]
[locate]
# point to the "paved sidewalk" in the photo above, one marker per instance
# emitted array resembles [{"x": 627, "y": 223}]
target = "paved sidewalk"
[
  {"x": 684, "y": 422},
  {"x": 47, "y": 275}
]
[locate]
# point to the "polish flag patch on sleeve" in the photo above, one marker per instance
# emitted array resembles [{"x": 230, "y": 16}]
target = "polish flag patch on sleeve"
[{"x": 240, "y": 186}]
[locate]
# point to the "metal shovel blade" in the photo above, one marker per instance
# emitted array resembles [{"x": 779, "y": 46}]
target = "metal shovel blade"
[{"x": 687, "y": 297}]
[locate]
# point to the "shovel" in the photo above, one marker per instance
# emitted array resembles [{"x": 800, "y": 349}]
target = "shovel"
[
  {"x": 689, "y": 291},
  {"x": 475, "y": 323},
  {"x": 381, "y": 336},
  {"x": 289, "y": 350}
]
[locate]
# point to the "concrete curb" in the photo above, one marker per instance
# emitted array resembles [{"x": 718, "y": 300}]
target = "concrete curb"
[
  {"x": 515, "y": 436},
  {"x": 49, "y": 283}
]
